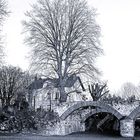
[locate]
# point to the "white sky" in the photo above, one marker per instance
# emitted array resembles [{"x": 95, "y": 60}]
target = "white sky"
[{"x": 120, "y": 25}]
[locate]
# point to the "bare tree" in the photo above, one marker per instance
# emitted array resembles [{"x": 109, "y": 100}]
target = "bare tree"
[
  {"x": 3, "y": 10},
  {"x": 13, "y": 83},
  {"x": 128, "y": 89},
  {"x": 3, "y": 14},
  {"x": 64, "y": 37},
  {"x": 97, "y": 91}
]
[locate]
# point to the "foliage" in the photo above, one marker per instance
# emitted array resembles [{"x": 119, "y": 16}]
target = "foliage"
[
  {"x": 64, "y": 37},
  {"x": 45, "y": 118},
  {"x": 15, "y": 117},
  {"x": 111, "y": 99},
  {"x": 17, "y": 122},
  {"x": 23, "y": 119},
  {"x": 131, "y": 99}
]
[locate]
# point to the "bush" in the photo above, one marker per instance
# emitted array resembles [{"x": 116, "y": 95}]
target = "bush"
[{"x": 26, "y": 120}]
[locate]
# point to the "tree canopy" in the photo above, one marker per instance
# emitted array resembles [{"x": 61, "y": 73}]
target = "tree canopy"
[{"x": 64, "y": 38}]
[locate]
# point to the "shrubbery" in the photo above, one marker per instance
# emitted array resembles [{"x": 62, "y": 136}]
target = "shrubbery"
[{"x": 14, "y": 119}]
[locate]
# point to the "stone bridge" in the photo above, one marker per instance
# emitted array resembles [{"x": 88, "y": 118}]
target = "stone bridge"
[
  {"x": 73, "y": 118},
  {"x": 98, "y": 107}
]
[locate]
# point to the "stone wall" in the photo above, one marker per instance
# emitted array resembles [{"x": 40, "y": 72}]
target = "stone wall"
[
  {"x": 64, "y": 127},
  {"x": 127, "y": 128}
]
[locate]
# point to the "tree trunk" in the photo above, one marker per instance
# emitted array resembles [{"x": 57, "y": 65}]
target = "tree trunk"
[
  {"x": 2, "y": 103},
  {"x": 63, "y": 95},
  {"x": 30, "y": 97}
]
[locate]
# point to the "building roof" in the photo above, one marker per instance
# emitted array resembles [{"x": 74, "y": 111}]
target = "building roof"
[{"x": 38, "y": 83}]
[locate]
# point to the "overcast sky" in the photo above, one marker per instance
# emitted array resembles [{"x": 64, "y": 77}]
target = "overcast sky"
[{"x": 120, "y": 25}]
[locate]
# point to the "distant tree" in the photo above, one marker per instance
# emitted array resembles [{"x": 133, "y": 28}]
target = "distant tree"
[
  {"x": 128, "y": 89},
  {"x": 13, "y": 84},
  {"x": 97, "y": 91},
  {"x": 64, "y": 38}
]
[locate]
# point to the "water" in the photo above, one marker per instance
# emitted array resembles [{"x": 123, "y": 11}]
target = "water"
[{"x": 75, "y": 136}]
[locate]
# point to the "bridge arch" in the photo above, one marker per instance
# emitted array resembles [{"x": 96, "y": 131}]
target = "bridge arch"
[
  {"x": 102, "y": 107},
  {"x": 135, "y": 113},
  {"x": 95, "y": 111}
]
